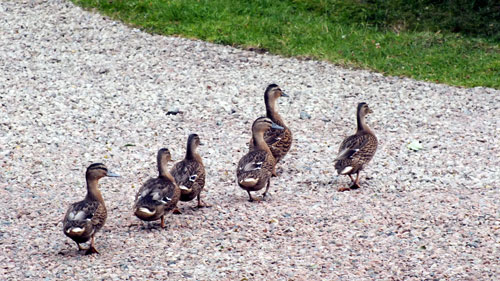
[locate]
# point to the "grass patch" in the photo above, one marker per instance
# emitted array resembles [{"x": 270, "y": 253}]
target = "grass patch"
[{"x": 351, "y": 33}]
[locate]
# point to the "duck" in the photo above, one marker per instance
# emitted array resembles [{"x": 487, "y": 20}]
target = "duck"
[
  {"x": 279, "y": 141},
  {"x": 255, "y": 168},
  {"x": 85, "y": 218},
  {"x": 190, "y": 172},
  {"x": 357, "y": 150},
  {"x": 157, "y": 196}
]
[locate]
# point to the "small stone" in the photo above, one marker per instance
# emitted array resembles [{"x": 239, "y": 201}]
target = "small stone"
[
  {"x": 472, "y": 244},
  {"x": 415, "y": 145},
  {"x": 304, "y": 115},
  {"x": 173, "y": 111}
]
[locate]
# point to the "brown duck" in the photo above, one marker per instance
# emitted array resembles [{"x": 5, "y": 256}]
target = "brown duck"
[
  {"x": 255, "y": 168},
  {"x": 279, "y": 141},
  {"x": 158, "y": 195},
  {"x": 189, "y": 173},
  {"x": 84, "y": 218},
  {"x": 356, "y": 150}
]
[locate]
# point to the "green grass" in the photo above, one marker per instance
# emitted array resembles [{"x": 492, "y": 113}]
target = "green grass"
[{"x": 350, "y": 33}]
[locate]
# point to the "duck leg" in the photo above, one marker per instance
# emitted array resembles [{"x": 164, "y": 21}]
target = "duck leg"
[
  {"x": 250, "y": 195},
  {"x": 92, "y": 249},
  {"x": 162, "y": 221},
  {"x": 342, "y": 189},
  {"x": 80, "y": 248},
  {"x": 273, "y": 173},
  {"x": 350, "y": 176},
  {"x": 201, "y": 204},
  {"x": 267, "y": 188},
  {"x": 355, "y": 185},
  {"x": 176, "y": 211}
]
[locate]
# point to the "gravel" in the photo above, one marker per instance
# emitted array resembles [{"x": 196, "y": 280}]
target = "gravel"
[{"x": 77, "y": 88}]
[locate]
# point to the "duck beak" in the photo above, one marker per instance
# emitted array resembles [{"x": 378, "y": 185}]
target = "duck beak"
[
  {"x": 284, "y": 95},
  {"x": 111, "y": 174},
  {"x": 276, "y": 126},
  {"x": 201, "y": 144},
  {"x": 370, "y": 110}
]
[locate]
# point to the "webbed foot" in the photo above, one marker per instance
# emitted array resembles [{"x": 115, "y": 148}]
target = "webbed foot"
[
  {"x": 250, "y": 197},
  {"x": 203, "y": 205},
  {"x": 91, "y": 251},
  {"x": 266, "y": 196},
  {"x": 354, "y": 186}
]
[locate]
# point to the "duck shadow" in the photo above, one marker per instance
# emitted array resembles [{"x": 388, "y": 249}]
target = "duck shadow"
[{"x": 147, "y": 226}]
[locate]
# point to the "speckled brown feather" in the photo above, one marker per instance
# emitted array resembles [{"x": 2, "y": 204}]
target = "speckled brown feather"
[
  {"x": 163, "y": 187},
  {"x": 366, "y": 145},
  {"x": 357, "y": 150},
  {"x": 93, "y": 210},
  {"x": 263, "y": 174},
  {"x": 84, "y": 218},
  {"x": 255, "y": 168},
  {"x": 182, "y": 172},
  {"x": 279, "y": 141}
]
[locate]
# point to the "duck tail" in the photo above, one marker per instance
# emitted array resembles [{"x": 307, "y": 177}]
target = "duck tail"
[
  {"x": 248, "y": 182},
  {"x": 75, "y": 231},
  {"x": 185, "y": 189},
  {"x": 144, "y": 213}
]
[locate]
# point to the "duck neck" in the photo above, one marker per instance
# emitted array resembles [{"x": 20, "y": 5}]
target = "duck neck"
[
  {"x": 163, "y": 170},
  {"x": 271, "y": 112},
  {"x": 93, "y": 192},
  {"x": 259, "y": 142},
  {"x": 191, "y": 153},
  {"x": 362, "y": 127}
]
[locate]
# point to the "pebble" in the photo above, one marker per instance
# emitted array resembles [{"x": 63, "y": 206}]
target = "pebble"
[{"x": 304, "y": 115}]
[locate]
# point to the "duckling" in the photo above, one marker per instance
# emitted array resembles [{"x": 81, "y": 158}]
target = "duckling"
[
  {"x": 84, "y": 218},
  {"x": 190, "y": 172},
  {"x": 279, "y": 141},
  {"x": 255, "y": 168},
  {"x": 158, "y": 195},
  {"x": 356, "y": 150}
]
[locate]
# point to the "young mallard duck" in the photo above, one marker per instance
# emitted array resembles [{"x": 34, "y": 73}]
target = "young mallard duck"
[
  {"x": 190, "y": 172},
  {"x": 279, "y": 141},
  {"x": 83, "y": 219},
  {"x": 255, "y": 168},
  {"x": 356, "y": 150},
  {"x": 158, "y": 195}
]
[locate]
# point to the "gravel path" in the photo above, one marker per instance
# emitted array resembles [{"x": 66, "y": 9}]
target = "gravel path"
[{"x": 77, "y": 88}]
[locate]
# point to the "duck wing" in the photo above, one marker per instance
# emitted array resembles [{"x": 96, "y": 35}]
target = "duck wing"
[
  {"x": 188, "y": 174},
  {"x": 254, "y": 164},
  {"x": 156, "y": 191},
  {"x": 359, "y": 148},
  {"x": 80, "y": 214}
]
